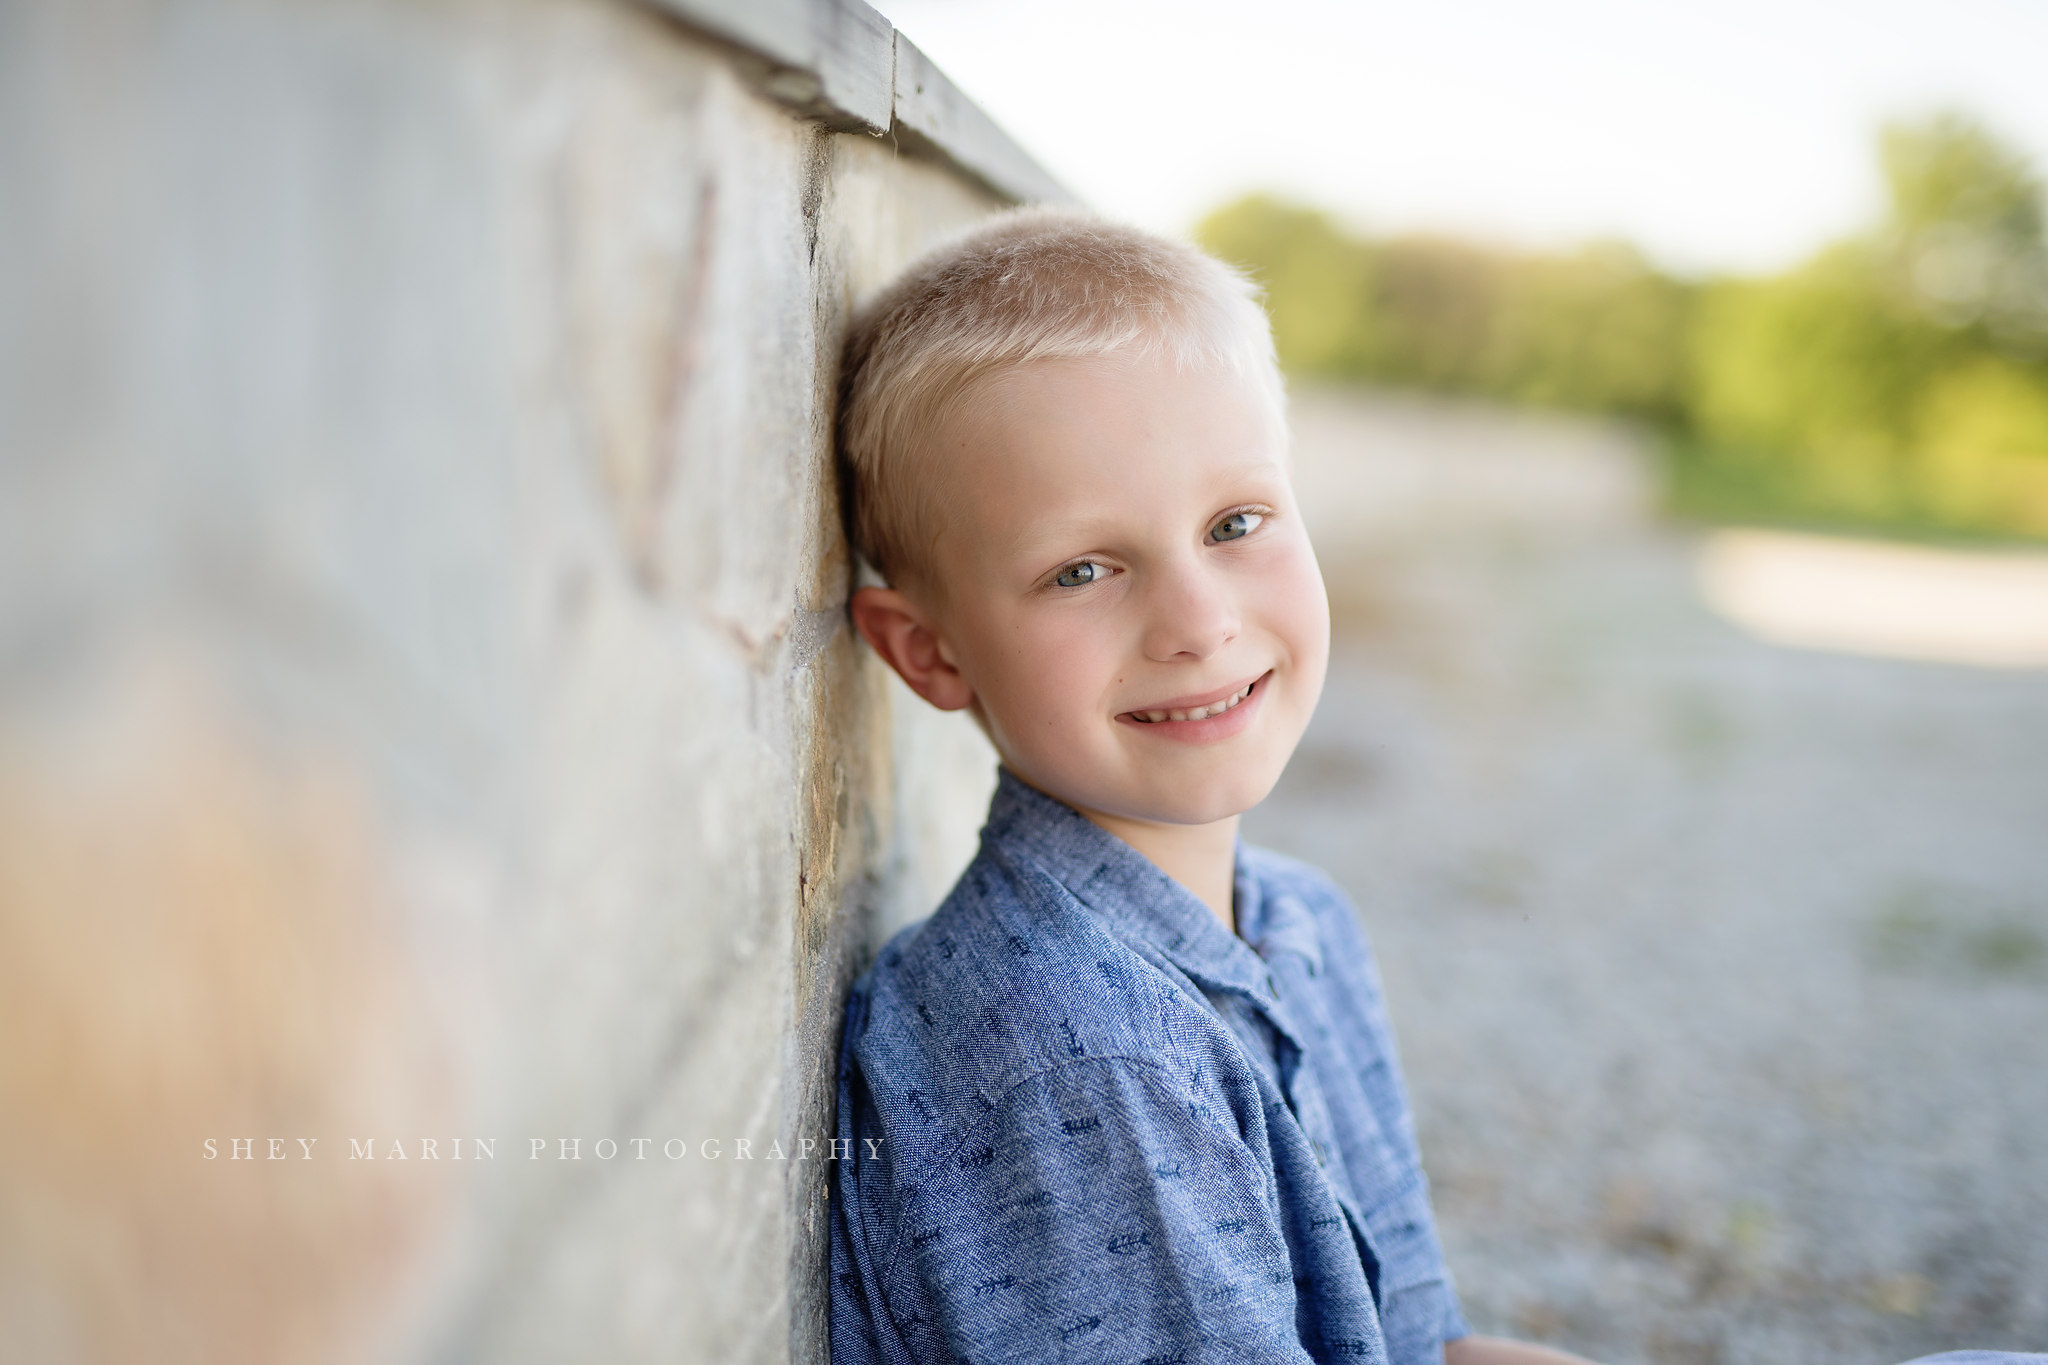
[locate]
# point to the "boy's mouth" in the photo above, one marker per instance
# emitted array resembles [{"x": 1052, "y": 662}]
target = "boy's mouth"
[{"x": 1215, "y": 708}]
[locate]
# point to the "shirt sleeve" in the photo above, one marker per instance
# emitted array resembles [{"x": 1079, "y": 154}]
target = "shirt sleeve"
[{"x": 1100, "y": 1211}]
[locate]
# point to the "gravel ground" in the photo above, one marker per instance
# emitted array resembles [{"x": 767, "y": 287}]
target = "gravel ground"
[{"x": 1721, "y": 969}]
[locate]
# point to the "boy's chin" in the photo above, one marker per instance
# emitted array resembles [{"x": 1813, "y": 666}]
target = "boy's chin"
[{"x": 1181, "y": 801}]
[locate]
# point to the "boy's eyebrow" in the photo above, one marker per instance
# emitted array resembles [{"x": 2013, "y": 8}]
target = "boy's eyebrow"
[
  {"x": 1043, "y": 542},
  {"x": 1035, "y": 540}
]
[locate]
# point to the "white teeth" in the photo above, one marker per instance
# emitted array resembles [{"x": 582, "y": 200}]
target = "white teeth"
[{"x": 1198, "y": 712}]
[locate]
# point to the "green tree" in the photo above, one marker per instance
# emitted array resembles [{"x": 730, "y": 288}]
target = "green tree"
[
  {"x": 1816, "y": 373},
  {"x": 1597, "y": 329},
  {"x": 1965, "y": 229},
  {"x": 1600, "y": 330},
  {"x": 1894, "y": 378},
  {"x": 1981, "y": 454}
]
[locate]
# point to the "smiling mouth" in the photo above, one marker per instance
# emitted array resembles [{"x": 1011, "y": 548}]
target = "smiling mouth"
[{"x": 1197, "y": 712}]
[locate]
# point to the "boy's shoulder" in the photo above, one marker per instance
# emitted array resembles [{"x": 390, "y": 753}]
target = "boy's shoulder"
[
  {"x": 1010, "y": 945},
  {"x": 1012, "y": 978},
  {"x": 1283, "y": 879}
]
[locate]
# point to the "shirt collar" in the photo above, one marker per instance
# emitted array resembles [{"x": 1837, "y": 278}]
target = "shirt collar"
[
  {"x": 1276, "y": 924},
  {"x": 1124, "y": 888}
]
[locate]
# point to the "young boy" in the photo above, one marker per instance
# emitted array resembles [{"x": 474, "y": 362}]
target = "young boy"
[{"x": 1131, "y": 1093}]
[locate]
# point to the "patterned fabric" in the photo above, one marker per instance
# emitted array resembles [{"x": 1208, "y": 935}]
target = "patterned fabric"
[{"x": 1090, "y": 1122}]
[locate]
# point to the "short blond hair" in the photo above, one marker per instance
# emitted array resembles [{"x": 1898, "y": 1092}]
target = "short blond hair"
[{"x": 1032, "y": 284}]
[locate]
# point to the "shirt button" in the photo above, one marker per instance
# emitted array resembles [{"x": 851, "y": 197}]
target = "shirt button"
[
  {"x": 1272, "y": 986},
  {"x": 1322, "y": 1153}
]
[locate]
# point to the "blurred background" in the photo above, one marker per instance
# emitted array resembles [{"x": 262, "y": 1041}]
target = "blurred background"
[
  {"x": 427, "y": 711},
  {"x": 1671, "y": 411}
]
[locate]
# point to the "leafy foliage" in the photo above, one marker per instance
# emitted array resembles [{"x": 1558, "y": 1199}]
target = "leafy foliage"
[{"x": 1598, "y": 328}]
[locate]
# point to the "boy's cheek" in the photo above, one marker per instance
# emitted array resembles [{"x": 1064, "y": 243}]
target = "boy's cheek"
[
  {"x": 1290, "y": 602},
  {"x": 1308, "y": 600},
  {"x": 1036, "y": 690}
]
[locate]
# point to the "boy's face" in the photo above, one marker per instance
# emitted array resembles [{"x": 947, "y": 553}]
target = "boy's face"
[{"x": 1123, "y": 587}]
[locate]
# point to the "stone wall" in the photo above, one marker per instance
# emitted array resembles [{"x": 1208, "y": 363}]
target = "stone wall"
[{"x": 429, "y": 726}]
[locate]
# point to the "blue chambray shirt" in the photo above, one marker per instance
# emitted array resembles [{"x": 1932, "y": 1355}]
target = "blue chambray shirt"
[{"x": 1110, "y": 1129}]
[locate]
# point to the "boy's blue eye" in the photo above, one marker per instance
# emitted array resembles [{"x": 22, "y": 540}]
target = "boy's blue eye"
[
  {"x": 1078, "y": 575},
  {"x": 1236, "y": 525}
]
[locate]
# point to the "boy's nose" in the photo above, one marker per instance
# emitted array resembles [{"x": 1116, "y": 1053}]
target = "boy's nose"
[{"x": 1189, "y": 614}]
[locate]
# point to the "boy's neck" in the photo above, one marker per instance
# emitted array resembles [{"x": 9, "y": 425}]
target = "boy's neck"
[{"x": 1203, "y": 858}]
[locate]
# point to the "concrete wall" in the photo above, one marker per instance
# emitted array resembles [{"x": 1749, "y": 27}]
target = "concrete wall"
[{"x": 426, "y": 704}]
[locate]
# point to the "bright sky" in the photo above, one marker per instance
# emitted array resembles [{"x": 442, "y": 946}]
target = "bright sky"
[{"x": 1733, "y": 135}]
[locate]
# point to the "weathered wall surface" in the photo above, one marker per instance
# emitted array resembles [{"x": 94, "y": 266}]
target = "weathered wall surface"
[{"x": 426, "y": 704}]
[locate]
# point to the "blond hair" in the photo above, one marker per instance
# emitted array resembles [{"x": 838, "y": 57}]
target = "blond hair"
[{"x": 1032, "y": 284}]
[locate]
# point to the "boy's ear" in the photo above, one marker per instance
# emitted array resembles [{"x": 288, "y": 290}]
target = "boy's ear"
[{"x": 901, "y": 632}]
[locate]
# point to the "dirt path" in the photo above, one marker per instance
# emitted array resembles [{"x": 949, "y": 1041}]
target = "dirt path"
[{"x": 1721, "y": 968}]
